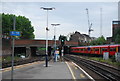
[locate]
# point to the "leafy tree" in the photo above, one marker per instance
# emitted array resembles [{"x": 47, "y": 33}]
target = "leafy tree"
[
  {"x": 22, "y": 24},
  {"x": 99, "y": 41},
  {"x": 62, "y": 37},
  {"x": 93, "y": 42}
]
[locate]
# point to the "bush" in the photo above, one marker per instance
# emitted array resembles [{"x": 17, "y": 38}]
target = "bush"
[{"x": 113, "y": 58}]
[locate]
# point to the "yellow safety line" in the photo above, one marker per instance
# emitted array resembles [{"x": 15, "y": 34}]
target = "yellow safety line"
[
  {"x": 71, "y": 71},
  {"x": 74, "y": 66},
  {"x": 83, "y": 71},
  {"x": 81, "y": 75}
]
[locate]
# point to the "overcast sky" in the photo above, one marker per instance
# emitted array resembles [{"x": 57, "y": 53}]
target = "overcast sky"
[{"x": 71, "y": 16}]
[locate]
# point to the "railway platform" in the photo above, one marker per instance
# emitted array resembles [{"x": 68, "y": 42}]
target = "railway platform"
[{"x": 56, "y": 70}]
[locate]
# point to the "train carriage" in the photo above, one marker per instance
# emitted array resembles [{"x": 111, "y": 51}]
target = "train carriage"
[
  {"x": 114, "y": 49},
  {"x": 97, "y": 50}
]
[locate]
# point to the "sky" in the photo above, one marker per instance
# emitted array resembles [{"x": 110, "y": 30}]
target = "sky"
[{"x": 72, "y": 16}]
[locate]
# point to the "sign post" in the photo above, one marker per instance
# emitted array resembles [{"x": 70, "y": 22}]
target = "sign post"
[{"x": 13, "y": 34}]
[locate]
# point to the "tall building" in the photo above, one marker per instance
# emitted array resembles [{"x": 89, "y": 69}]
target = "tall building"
[{"x": 115, "y": 27}]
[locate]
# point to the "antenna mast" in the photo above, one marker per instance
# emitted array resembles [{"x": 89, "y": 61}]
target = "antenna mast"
[{"x": 100, "y": 21}]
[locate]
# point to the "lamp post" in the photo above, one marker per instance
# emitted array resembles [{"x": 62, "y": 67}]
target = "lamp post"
[
  {"x": 54, "y": 25},
  {"x": 47, "y": 9}
]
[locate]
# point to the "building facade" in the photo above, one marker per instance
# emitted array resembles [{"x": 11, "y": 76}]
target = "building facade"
[
  {"x": 78, "y": 37},
  {"x": 115, "y": 27}
]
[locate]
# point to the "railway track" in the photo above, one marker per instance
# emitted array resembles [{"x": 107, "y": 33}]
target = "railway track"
[{"x": 107, "y": 72}]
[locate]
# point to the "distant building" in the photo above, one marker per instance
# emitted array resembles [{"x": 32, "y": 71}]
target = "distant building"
[
  {"x": 78, "y": 37},
  {"x": 109, "y": 40},
  {"x": 115, "y": 27}
]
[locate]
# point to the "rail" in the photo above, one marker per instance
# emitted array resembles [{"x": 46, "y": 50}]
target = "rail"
[{"x": 109, "y": 73}]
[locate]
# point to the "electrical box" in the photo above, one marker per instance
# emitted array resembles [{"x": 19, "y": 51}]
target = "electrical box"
[
  {"x": 106, "y": 55},
  {"x": 117, "y": 56}
]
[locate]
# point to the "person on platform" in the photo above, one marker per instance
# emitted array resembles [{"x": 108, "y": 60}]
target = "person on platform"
[{"x": 56, "y": 55}]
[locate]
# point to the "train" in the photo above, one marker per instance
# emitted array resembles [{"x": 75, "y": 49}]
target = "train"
[{"x": 96, "y": 50}]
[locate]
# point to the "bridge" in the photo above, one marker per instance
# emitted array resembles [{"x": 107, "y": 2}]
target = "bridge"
[
  {"x": 39, "y": 43},
  {"x": 30, "y": 47}
]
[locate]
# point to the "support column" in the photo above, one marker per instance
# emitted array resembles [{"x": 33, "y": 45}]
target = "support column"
[{"x": 28, "y": 52}]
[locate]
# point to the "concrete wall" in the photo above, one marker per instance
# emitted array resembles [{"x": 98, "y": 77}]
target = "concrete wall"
[{"x": 6, "y": 47}]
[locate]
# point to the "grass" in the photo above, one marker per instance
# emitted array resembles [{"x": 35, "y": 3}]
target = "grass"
[
  {"x": 110, "y": 61},
  {"x": 9, "y": 58}
]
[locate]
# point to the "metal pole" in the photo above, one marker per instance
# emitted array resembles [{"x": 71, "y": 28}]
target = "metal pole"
[
  {"x": 12, "y": 69},
  {"x": 47, "y": 42},
  {"x": 55, "y": 38},
  {"x": 47, "y": 35}
]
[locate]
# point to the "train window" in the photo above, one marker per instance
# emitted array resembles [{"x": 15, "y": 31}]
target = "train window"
[
  {"x": 112, "y": 49},
  {"x": 104, "y": 49},
  {"x": 72, "y": 49},
  {"x": 96, "y": 49},
  {"x": 85, "y": 49},
  {"x": 81, "y": 49}
]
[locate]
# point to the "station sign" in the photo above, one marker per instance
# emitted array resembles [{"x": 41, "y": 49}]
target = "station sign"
[{"x": 14, "y": 33}]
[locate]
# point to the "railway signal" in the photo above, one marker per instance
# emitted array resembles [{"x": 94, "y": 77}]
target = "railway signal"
[{"x": 62, "y": 41}]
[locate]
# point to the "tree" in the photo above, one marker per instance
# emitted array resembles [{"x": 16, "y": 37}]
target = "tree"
[
  {"x": 22, "y": 24},
  {"x": 99, "y": 41},
  {"x": 93, "y": 42},
  {"x": 62, "y": 37}
]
